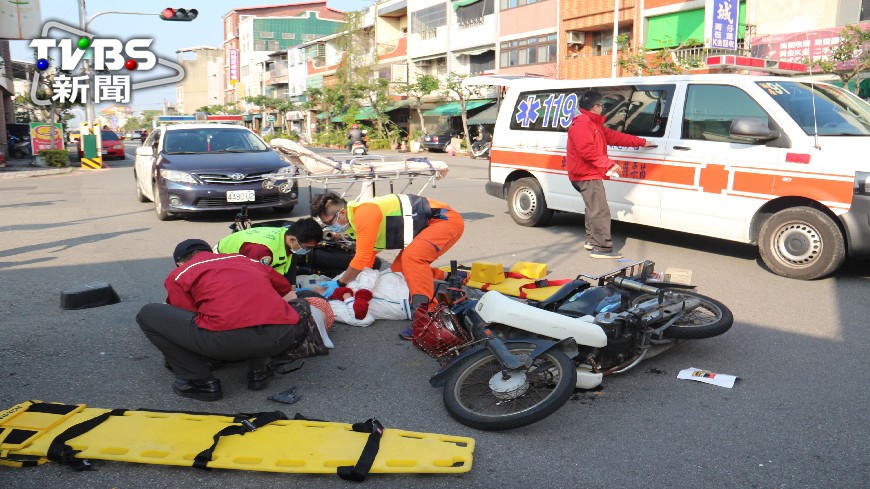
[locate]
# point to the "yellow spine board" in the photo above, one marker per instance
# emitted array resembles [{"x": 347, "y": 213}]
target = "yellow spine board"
[{"x": 292, "y": 446}]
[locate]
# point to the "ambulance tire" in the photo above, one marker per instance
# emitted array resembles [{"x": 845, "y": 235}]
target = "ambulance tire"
[
  {"x": 526, "y": 203},
  {"x": 802, "y": 243}
]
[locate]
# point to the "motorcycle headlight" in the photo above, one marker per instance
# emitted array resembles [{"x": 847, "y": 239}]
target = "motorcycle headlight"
[
  {"x": 178, "y": 176},
  {"x": 862, "y": 183}
]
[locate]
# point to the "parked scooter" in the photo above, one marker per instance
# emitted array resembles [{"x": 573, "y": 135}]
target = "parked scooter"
[
  {"x": 19, "y": 147},
  {"x": 509, "y": 364}
]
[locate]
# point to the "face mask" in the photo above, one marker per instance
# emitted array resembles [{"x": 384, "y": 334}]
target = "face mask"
[
  {"x": 336, "y": 228},
  {"x": 301, "y": 251}
]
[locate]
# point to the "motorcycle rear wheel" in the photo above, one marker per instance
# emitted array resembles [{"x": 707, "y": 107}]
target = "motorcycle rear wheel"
[
  {"x": 470, "y": 400},
  {"x": 710, "y": 319}
]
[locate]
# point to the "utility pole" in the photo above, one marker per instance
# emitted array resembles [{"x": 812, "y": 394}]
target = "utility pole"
[{"x": 89, "y": 102}]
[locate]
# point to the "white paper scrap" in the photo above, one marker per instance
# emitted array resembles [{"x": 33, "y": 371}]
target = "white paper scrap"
[{"x": 708, "y": 377}]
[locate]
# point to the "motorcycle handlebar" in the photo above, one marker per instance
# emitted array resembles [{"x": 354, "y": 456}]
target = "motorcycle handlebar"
[{"x": 628, "y": 284}]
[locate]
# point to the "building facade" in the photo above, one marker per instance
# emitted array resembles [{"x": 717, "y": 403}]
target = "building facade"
[{"x": 203, "y": 82}]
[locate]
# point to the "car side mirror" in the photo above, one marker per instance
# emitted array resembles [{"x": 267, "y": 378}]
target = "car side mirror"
[
  {"x": 752, "y": 130},
  {"x": 144, "y": 151}
]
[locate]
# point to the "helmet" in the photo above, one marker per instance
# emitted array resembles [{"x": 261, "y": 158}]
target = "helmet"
[
  {"x": 354, "y": 126},
  {"x": 437, "y": 331}
]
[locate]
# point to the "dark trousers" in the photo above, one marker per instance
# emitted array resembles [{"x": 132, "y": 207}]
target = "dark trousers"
[
  {"x": 187, "y": 347},
  {"x": 597, "y": 214}
]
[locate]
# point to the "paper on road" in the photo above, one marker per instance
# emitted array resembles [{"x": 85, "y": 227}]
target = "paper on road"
[{"x": 722, "y": 380}]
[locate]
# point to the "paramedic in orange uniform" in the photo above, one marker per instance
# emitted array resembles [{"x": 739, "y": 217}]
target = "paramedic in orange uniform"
[{"x": 422, "y": 228}]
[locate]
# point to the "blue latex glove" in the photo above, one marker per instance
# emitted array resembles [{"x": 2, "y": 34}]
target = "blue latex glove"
[{"x": 330, "y": 287}]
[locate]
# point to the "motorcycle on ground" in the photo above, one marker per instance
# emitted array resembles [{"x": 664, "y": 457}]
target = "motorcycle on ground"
[
  {"x": 19, "y": 147},
  {"x": 507, "y": 364}
]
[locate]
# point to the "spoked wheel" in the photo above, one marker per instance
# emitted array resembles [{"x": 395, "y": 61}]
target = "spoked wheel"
[
  {"x": 482, "y": 394},
  {"x": 710, "y": 318}
]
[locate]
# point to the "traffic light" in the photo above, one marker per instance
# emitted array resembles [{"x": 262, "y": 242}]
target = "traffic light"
[{"x": 178, "y": 14}]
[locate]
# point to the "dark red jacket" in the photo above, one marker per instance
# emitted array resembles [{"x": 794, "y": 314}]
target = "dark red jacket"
[
  {"x": 230, "y": 292},
  {"x": 587, "y": 146}
]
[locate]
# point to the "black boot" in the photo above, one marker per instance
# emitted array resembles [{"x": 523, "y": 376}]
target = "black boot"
[
  {"x": 203, "y": 390},
  {"x": 258, "y": 379}
]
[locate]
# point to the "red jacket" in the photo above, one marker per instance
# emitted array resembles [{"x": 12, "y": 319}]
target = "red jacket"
[
  {"x": 230, "y": 292},
  {"x": 587, "y": 146}
]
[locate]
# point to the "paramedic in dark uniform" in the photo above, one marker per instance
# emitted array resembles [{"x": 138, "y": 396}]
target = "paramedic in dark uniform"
[{"x": 221, "y": 307}]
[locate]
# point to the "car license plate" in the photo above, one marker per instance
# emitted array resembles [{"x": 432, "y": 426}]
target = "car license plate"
[
  {"x": 105, "y": 152},
  {"x": 240, "y": 196}
]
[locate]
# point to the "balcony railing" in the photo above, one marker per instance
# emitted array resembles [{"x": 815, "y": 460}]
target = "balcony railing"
[
  {"x": 428, "y": 33},
  {"x": 696, "y": 56}
]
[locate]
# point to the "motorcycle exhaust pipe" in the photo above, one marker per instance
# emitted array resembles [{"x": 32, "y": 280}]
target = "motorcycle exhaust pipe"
[{"x": 633, "y": 285}]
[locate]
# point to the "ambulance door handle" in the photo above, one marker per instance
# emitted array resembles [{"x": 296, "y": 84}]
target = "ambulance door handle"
[{"x": 683, "y": 148}]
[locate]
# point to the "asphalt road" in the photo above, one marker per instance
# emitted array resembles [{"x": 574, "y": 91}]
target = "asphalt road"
[{"x": 796, "y": 418}]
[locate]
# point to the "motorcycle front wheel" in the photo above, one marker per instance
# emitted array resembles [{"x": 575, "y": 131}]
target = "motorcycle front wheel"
[
  {"x": 709, "y": 319},
  {"x": 482, "y": 394}
]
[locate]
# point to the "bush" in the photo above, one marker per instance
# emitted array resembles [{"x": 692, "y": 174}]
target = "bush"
[
  {"x": 55, "y": 157},
  {"x": 331, "y": 137}
]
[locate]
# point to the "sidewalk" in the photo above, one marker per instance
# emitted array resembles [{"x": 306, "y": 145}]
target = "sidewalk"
[{"x": 21, "y": 168}]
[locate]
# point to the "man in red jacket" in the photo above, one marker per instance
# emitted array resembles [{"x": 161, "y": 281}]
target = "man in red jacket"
[
  {"x": 588, "y": 165},
  {"x": 220, "y": 307}
]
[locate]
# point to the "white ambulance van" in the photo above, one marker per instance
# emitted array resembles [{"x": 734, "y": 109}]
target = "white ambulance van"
[{"x": 779, "y": 162}]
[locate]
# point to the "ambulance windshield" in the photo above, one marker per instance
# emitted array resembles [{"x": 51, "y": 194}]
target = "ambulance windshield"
[{"x": 837, "y": 113}]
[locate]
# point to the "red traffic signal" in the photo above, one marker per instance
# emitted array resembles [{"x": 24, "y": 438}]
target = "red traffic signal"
[{"x": 179, "y": 14}]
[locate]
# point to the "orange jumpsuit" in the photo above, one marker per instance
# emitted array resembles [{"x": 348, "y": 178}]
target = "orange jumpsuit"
[{"x": 415, "y": 261}]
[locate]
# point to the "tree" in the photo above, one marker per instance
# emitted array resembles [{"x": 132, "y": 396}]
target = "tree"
[
  {"x": 849, "y": 57},
  {"x": 56, "y": 111},
  {"x": 423, "y": 86},
  {"x": 641, "y": 62},
  {"x": 454, "y": 90}
]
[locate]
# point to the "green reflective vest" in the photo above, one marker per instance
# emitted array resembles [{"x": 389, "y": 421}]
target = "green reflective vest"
[
  {"x": 404, "y": 216},
  {"x": 272, "y": 238}
]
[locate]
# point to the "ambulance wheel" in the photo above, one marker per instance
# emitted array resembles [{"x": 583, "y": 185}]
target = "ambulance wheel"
[
  {"x": 802, "y": 243},
  {"x": 526, "y": 203}
]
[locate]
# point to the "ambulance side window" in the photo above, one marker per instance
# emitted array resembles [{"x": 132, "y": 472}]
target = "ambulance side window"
[{"x": 711, "y": 108}]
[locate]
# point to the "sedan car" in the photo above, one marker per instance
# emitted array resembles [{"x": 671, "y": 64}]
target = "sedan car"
[
  {"x": 113, "y": 146},
  {"x": 440, "y": 140},
  {"x": 193, "y": 168}
]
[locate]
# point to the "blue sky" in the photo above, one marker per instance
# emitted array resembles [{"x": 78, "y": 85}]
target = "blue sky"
[{"x": 168, "y": 37}]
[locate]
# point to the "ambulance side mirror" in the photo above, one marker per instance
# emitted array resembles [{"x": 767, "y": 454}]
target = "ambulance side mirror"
[{"x": 752, "y": 130}]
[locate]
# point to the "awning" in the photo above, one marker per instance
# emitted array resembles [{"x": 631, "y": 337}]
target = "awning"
[
  {"x": 322, "y": 115},
  {"x": 474, "y": 52},
  {"x": 487, "y": 116},
  {"x": 462, "y": 3},
  {"x": 454, "y": 109},
  {"x": 367, "y": 113}
]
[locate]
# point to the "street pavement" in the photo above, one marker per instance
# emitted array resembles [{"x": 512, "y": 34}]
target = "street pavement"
[{"x": 796, "y": 418}]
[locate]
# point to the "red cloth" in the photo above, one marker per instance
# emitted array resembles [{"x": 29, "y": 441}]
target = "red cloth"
[
  {"x": 338, "y": 294},
  {"x": 587, "y": 146},
  {"x": 361, "y": 303},
  {"x": 257, "y": 252},
  {"x": 229, "y": 292}
]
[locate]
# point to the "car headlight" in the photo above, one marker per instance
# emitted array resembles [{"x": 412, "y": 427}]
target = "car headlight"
[
  {"x": 119, "y": 146},
  {"x": 178, "y": 176},
  {"x": 862, "y": 183}
]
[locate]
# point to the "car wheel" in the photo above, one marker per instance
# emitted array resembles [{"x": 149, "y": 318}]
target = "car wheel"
[
  {"x": 139, "y": 194},
  {"x": 526, "y": 203},
  {"x": 158, "y": 206},
  {"x": 802, "y": 243}
]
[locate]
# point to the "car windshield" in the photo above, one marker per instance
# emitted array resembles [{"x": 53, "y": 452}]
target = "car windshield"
[
  {"x": 837, "y": 112},
  {"x": 110, "y": 136},
  {"x": 212, "y": 140}
]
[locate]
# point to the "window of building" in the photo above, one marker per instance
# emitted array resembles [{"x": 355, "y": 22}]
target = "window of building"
[
  {"x": 472, "y": 15},
  {"x": 529, "y": 51},
  {"x": 428, "y": 19},
  {"x": 308, "y": 37},
  {"x": 509, "y": 4},
  {"x": 865, "y": 10},
  {"x": 288, "y": 35},
  {"x": 602, "y": 41},
  {"x": 273, "y": 45},
  {"x": 259, "y": 45},
  {"x": 482, "y": 62},
  {"x": 711, "y": 108},
  {"x": 267, "y": 35},
  {"x": 245, "y": 70}
]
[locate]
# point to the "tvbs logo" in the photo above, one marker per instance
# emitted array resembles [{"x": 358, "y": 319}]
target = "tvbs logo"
[{"x": 107, "y": 55}]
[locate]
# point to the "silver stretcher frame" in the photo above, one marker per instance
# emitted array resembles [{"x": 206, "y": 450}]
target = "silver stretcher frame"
[{"x": 366, "y": 180}]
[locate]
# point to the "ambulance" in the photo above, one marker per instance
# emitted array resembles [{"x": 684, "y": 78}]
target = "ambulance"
[{"x": 779, "y": 162}]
